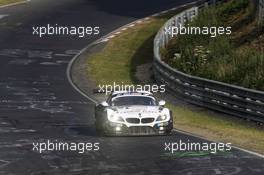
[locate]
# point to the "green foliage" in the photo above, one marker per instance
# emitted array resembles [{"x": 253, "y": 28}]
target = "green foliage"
[
  {"x": 217, "y": 58},
  {"x": 229, "y": 9}
]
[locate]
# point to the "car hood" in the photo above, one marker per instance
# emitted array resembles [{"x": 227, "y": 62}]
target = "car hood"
[{"x": 132, "y": 110}]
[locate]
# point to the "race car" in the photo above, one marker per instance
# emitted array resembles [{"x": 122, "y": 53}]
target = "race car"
[{"x": 133, "y": 113}]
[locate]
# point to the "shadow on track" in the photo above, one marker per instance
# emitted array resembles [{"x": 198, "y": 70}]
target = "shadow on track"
[{"x": 135, "y": 8}]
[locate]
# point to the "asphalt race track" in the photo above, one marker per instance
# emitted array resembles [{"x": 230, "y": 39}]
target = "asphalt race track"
[{"x": 37, "y": 102}]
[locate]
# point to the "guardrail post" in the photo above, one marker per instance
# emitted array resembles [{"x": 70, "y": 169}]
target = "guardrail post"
[
  {"x": 206, "y": 4},
  {"x": 261, "y": 12},
  {"x": 213, "y": 2}
]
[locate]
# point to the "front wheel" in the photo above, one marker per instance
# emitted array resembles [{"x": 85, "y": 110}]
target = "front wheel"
[{"x": 99, "y": 128}]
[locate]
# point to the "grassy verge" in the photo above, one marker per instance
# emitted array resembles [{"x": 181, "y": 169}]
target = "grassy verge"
[
  {"x": 117, "y": 61},
  {"x": 225, "y": 58},
  {"x": 117, "y": 57},
  {"x": 218, "y": 128},
  {"x": 5, "y": 2}
]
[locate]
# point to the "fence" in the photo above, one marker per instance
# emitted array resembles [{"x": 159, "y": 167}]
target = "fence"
[{"x": 230, "y": 99}]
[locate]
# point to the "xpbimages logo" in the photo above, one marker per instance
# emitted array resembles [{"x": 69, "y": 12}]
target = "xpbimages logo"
[
  {"x": 191, "y": 30},
  {"x": 79, "y": 147},
  {"x": 191, "y": 146},
  {"x": 50, "y": 30},
  {"x": 108, "y": 88}
]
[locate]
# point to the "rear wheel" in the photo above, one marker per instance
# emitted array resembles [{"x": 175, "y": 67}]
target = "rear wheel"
[{"x": 170, "y": 127}]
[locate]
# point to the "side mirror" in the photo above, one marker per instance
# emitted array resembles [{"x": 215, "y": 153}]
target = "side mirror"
[
  {"x": 105, "y": 104},
  {"x": 162, "y": 103}
]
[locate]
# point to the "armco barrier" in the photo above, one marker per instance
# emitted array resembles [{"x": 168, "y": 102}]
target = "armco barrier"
[{"x": 226, "y": 98}]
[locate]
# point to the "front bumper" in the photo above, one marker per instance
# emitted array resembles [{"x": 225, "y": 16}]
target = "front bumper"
[{"x": 115, "y": 129}]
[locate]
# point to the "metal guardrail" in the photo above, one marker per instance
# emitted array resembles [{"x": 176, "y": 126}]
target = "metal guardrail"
[{"x": 226, "y": 98}]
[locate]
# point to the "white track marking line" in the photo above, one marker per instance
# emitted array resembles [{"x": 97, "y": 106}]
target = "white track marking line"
[
  {"x": 165, "y": 11},
  {"x": 3, "y": 16},
  {"x": 157, "y": 14},
  {"x": 117, "y": 33},
  {"x": 104, "y": 40},
  {"x": 147, "y": 18},
  {"x": 131, "y": 25},
  {"x": 14, "y": 4},
  {"x": 111, "y": 36}
]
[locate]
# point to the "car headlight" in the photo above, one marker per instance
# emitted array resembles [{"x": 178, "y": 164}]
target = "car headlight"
[
  {"x": 162, "y": 117},
  {"x": 115, "y": 118}
]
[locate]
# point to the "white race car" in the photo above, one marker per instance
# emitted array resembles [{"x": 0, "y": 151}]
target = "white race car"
[{"x": 133, "y": 113}]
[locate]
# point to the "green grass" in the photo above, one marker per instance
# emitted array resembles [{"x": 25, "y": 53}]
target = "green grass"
[
  {"x": 222, "y": 58},
  {"x": 218, "y": 128},
  {"x": 5, "y": 2},
  {"x": 117, "y": 61}
]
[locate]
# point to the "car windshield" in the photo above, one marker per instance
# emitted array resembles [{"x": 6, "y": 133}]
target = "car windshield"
[{"x": 133, "y": 100}]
